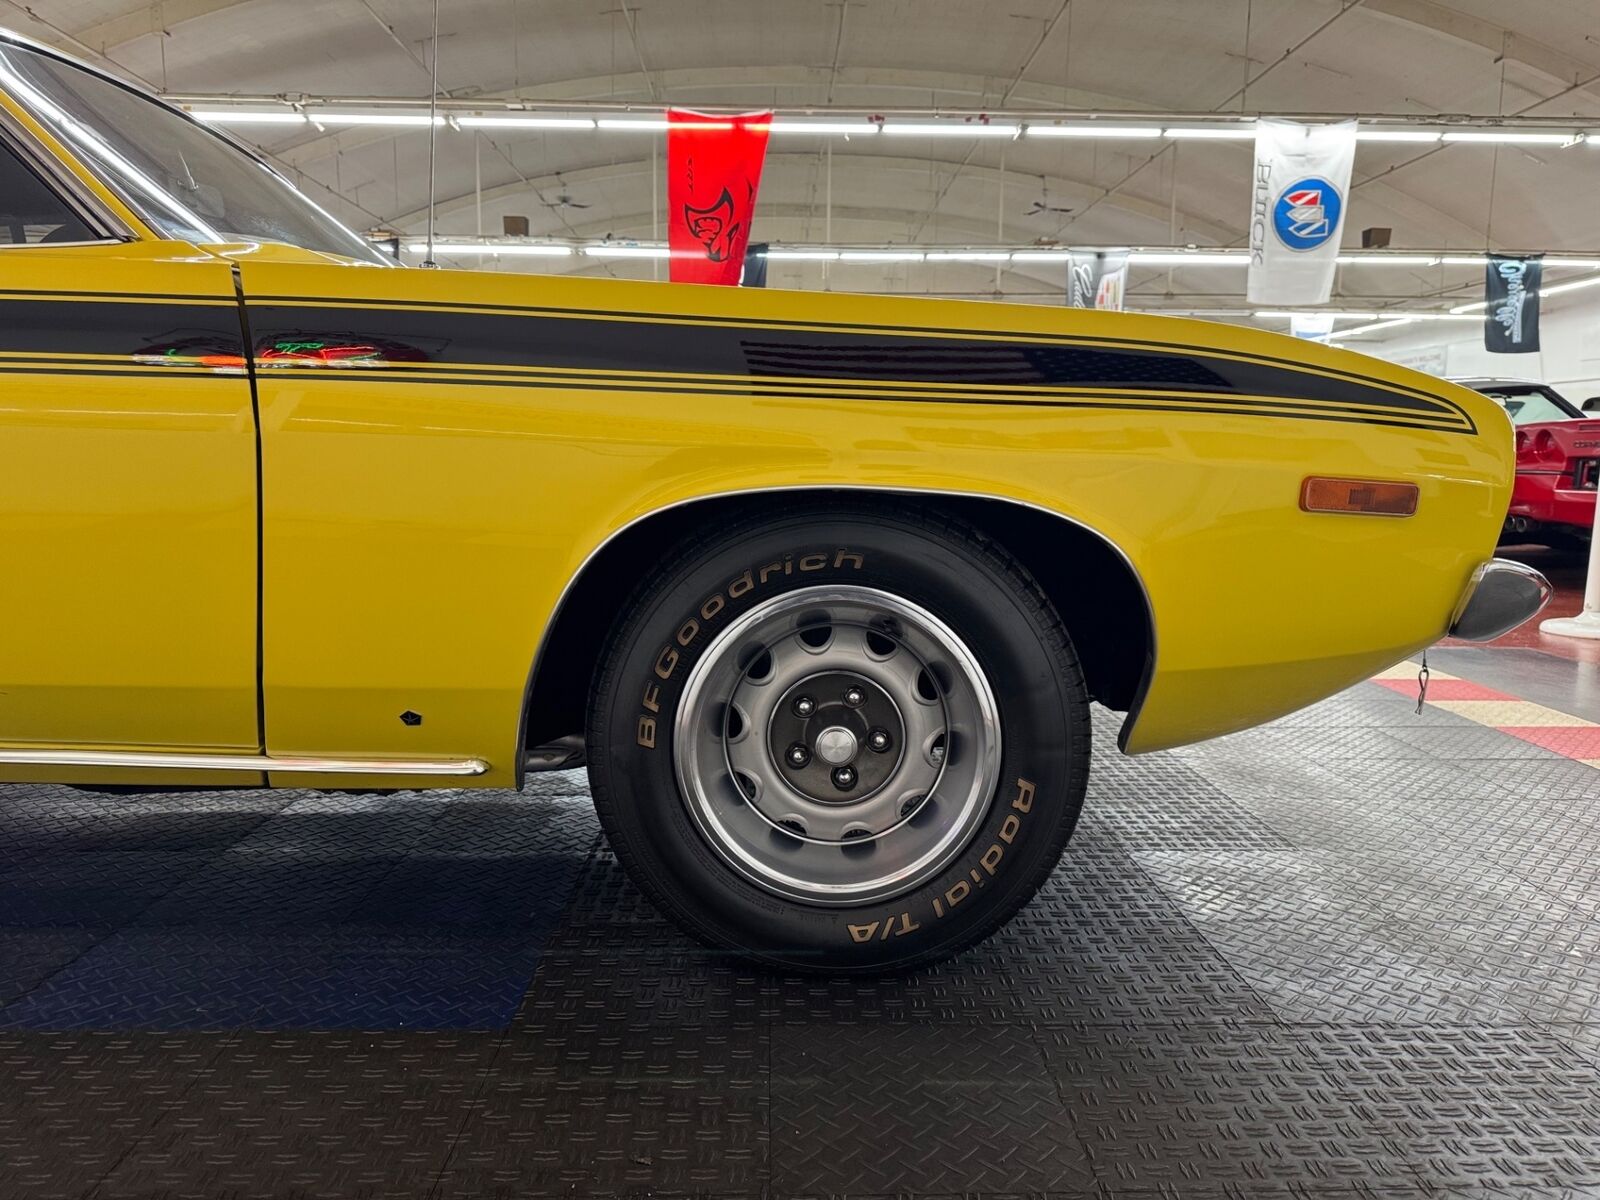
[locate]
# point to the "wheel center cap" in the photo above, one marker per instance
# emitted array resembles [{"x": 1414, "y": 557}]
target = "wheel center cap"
[{"x": 836, "y": 745}]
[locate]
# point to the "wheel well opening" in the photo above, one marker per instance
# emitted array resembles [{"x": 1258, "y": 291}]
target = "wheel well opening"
[{"x": 1100, "y": 599}]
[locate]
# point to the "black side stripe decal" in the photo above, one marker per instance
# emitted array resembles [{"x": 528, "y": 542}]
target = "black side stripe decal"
[
  {"x": 922, "y": 332},
  {"x": 457, "y": 339},
  {"x": 669, "y": 354}
]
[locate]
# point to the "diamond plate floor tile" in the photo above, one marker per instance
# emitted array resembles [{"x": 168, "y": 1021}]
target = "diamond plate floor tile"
[
  {"x": 1367, "y": 1108},
  {"x": 1471, "y": 741},
  {"x": 981, "y": 1111},
  {"x": 59, "y": 818},
  {"x": 334, "y": 824},
  {"x": 92, "y": 889},
  {"x": 206, "y": 979},
  {"x": 644, "y": 1111},
  {"x": 73, "y": 1106},
  {"x": 1413, "y": 780},
  {"x": 1314, "y": 886},
  {"x": 1583, "y": 1038},
  {"x": 313, "y": 1115},
  {"x": 1319, "y": 975},
  {"x": 269, "y": 889},
  {"x": 735, "y": 1056},
  {"x": 1542, "y": 778},
  {"x": 1181, "y": 813},
  {"x": 1369, "y": 937},
  {"x": 30, "y": 956},
  {"x": 1328, "y": 745}
]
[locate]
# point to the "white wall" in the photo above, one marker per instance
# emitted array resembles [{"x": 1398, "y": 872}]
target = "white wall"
[{"x": 1569, "y": 358}]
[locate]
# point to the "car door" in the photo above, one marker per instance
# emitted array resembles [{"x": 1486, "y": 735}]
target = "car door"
[{"x": 128, "y": 499}]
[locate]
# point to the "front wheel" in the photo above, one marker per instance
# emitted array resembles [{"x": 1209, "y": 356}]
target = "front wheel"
[{"x": 840, "y": 738}]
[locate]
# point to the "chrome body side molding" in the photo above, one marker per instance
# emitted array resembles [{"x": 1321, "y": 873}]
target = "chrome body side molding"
[{"x": 164, "y": 761}]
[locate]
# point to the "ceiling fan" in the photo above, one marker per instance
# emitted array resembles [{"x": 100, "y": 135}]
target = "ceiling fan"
[
  {"x": 562, "y": 200},
  {"x": 1043, "y": 205}
]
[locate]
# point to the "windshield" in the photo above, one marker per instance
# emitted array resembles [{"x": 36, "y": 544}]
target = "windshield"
[
  {"x": 183, "y": 179},
  {"x": 1530, "y": 403}
]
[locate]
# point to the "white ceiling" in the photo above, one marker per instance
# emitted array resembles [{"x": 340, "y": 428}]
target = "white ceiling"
[{"x": 1413, "y": 57}]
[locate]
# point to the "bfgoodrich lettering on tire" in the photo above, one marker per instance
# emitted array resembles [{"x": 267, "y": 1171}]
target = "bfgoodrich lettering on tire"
[{"x": 840, "y": 738}]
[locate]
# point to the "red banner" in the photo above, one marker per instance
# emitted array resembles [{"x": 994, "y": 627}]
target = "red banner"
[{"x": 713, "y": 171}]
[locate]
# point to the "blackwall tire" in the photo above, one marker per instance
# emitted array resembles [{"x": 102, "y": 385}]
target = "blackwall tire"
[{"x": 839, "y": 739}]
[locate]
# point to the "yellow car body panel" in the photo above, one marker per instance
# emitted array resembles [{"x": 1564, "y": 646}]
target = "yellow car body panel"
[
  {"x": 128, "y": 505},
  {"x": 442, "y": 451},
  {"x": 420, "y": 530}
]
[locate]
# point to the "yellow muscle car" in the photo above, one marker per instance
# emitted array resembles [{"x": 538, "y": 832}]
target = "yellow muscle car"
[{"x": 819, "y": 586}]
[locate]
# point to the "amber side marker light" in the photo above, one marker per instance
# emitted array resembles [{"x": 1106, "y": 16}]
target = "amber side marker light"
[{"x": 1375, "y": 497}]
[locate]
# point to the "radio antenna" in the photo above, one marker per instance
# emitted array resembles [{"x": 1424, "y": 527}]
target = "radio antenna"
[{"x": 433, "y": 137}]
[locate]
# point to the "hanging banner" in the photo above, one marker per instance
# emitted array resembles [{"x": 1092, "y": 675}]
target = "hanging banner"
[
  {"x": 1313, "y": 326},
  {"x": 713, "y": 171},
  {"x": 1302, "y": 176},
  {"x": 1097, "y": 278},
  {"x": 1511, "y": 288},
  {"x": 755, "y": 265}
]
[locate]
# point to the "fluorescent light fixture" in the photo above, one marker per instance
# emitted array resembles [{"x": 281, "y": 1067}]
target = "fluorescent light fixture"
[
  {"x": 523, "y": 250},
  {"x": 968, "y": 129},
  {"x": 1477, "y": 306},
  {"x": 1219, "y": 132},
  {"x": 1576, "y": 285},
  {"x": 240, "y": 116},
  {"x": 1094, "y": 131},
  {"x": 637, "y": 124},
  {"x": 1397, "y": 135},
  {"x": 418, "y": 120},
  {"x": 848, "y": 128},
  {"x": 802, "y": 255},
  {"x": 880, "y": 256},
  {"x": 1039, "y": 256},
  {"x": 1340, "y": 314},
  {"x": 1373, "y": 328},
  {"x": 1478, "y": 260},
  {"x": 968, "y": 255},
  {"x": 1152, "y": 258},
  {"x": 627, "y": 251},
  {"x": 1511, "y": 137},
  {"x": 1388, "y": 260},
  {"x": 525, "y": 122}
]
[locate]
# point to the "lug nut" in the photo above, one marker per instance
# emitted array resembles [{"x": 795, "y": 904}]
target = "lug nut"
[
  {"x": 854, "y": 697},
  {"x": 844, "y": 778},
  {"x": 798, "y": 756},
  {"x": 878, "y": 740},
  {"x": 804, "y": 706}
]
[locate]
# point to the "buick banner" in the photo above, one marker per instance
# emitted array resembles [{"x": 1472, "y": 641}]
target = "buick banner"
[
  {"x": 1299, "y": 190},
  {"x": 1511, "y": 288}
]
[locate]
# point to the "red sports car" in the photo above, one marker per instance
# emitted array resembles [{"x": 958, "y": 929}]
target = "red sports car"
[{"x": 1558, "y": 464}]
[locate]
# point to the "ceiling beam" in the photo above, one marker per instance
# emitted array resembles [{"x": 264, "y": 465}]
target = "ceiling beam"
[
  {"x": 1496, "y": 40},
  {"x": 148, "y": 19}
]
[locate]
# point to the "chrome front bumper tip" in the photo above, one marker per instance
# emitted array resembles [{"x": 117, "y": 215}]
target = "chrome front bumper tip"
[{"x": 1501, "y": 595}]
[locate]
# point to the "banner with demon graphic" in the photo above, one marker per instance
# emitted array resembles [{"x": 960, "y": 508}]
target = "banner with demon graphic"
[{"x": 713, "y": 172}]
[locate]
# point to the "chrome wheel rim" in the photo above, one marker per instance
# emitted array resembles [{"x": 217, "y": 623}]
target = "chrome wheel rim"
[{"x": 837, "y": 745}]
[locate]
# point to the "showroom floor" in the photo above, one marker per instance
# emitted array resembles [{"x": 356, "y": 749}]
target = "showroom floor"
[{"x": 1355, "y": 952}]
